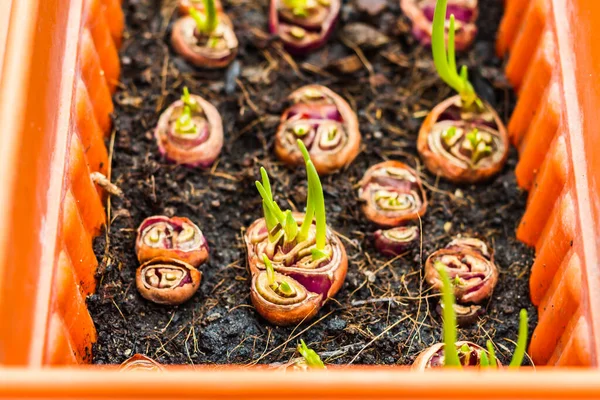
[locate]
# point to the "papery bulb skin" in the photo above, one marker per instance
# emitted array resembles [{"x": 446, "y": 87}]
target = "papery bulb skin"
[
  {"x": 420, "y": 12},
  {"x": 395, "y": 241},
  {"x": 463, "y": 147},
  {"x": 320, "y": 280},
  {"x": 302, "y": 34},
  {"x": 139, "y": 362},
  {"x": 465, "y": 315},
  {"x": 213, "y": 51},
  {"x": 392, "y": 194},
  {"x": 176, "y": 237},
  {"x": 433, "y": 357},
  {"x": 184, "y": 6},
  {"x": 167, "y": 281},
  {"x": 198, "y": 148},
  {"x": 325, "y": 123},
  {"x": 473, "y": 276},
  {"x": 296, "y": 365},
  {"x": 473, "y": 244}
]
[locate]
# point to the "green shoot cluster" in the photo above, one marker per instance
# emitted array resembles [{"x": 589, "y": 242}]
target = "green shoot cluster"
[
  {"x": 299, "y": 7},
  {"x": 207, "y": 22},
  {"x": 445, "y": 60},
  {"x": 310, "y": 356},
  {"x": 184, "y": 123},
  {"x": 283, "y": 224},
  {"x": 478, "y": 152},
  {"x": 281, "y": 287},
  {"x": 451, "y": 356}
]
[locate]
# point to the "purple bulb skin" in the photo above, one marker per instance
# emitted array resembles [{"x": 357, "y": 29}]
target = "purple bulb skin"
[{"x": 395, "y": 241}]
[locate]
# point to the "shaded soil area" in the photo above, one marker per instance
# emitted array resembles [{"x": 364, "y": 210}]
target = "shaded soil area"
[{"x": 384, "y": 313}]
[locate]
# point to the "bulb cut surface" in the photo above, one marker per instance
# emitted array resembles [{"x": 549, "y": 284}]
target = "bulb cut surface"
[
  {"x": 210, "y": 51},
  {"x": 303, "y": 29},
  {"x": 395, "y": 241},
  {"x": 473, "y": 275},
  {"x": 195, "y": 142},
  {"x": 167, "y": 281},
  {"x": 463, "y": 147},
  {"x": 392, "y": 194},
  {"x": 312, "y": 282},
  {"x": 176, "y": 237},
  {"x": 325, "y": 123}
]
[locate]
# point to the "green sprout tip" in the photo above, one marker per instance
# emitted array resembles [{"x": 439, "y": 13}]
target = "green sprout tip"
[
  {"x": 299, "y": 7},
  {"x": 290, "y": 227},
  {"x": 276, "y": 219},
  {"x": 188, "y": 100},
  {"x": 492, "y": 354},
  {"x": 315, "y": 204},
  {"x": 206, "y": 23},
  {"x": 270, "y": 208},
  {"x": 285, "y": 289},
  {"x": 310, "y": 356},
  {"x": 451, "y": 358},
  {"x": 484, "y": 361},
  {"x": 519, "y": 354},
  {"x": 445, "y": 60},
  {"x": 184, "y": 123},
  {"x": 269, "y": 269}
]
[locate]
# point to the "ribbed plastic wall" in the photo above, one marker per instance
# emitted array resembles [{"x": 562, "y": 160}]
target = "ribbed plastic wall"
[
  {"x": 539, "y": 130},
  {"x": 59, "y": 58},
  {"x": 70, "y": 330}
]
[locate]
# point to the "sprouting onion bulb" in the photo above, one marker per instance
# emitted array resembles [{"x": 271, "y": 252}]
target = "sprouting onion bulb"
[
  {"x": 325, "y": 123},
  {"x": 315, "y": 209},
  {"x": 296, "y": 262}
]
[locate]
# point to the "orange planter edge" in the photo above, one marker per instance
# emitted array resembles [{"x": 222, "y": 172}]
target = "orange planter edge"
[{"x": 35, "y": 180}]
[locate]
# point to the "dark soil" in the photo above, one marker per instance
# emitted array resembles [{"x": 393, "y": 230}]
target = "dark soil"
[{"x": 384, "y": 314}]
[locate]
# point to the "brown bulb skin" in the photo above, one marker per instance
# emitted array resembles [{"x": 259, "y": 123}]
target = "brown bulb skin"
[{"x": 175, "y": 295}]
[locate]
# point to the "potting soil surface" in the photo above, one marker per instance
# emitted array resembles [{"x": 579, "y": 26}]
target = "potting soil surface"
[{"x": 385, "y": 313}]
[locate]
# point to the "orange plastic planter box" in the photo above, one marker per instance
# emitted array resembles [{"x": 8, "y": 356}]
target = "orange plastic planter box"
[{"x": 58, "y": 68}]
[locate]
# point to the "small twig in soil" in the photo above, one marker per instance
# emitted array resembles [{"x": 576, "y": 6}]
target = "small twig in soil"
[
  {"x": 363, "y": 58},
  {"x": 187, "y": 350},
  {"x": 168, "y": 323},
  {"x": 390, "y": 299},
  {"x": 269, "y": 331},
  {"x": 290, "y": 335},
  {"x": 230, "y": 352},
  {"x": 162, "y": 346},
  {"x": 436, "y": 190},
  {"x": 386, "y": 330},
  {"x": 285, "y": 55},
  {"x": 119, "y": 310},
  {"x": 99, "y": 179},
  {"x": 341, "y": 351},
  {"x": 316, "y": 70},
  {"x": 247, "y": 98},
  {"x": 153, "y": 188},
  {"x": 254, "y": 362},
  {"x": 163, "y": 84},
  {"x": 350, "y": 241}
]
